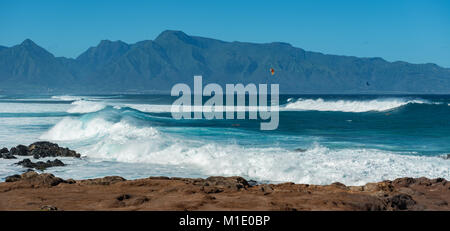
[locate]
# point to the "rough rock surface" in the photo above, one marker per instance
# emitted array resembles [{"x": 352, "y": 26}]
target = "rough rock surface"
[
  {"x": 39, "y": 150},
  {"x": 7, "y": 156},
  {"x": 4, "y": 153},
  {"x": 33, "y": 191},
  {"x": 32, "y": 179},
  {"x": 40, "y": 165}
]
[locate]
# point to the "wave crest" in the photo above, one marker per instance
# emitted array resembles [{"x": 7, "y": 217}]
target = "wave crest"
[
  {"x": 83, "y": 106},
  {"x": 349, "y": 105},
  {"x": 67, "y": 97},
  {"x": 125, "y": 140},
  {"x": 71, "y": 129}
]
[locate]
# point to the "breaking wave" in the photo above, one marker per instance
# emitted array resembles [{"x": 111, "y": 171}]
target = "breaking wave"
[
  {"x": 83, "y": 106},
  {"x": 130, "y": 140},
  {"x": 349, "y": 105},
  {"x": 67, "y": 97}
]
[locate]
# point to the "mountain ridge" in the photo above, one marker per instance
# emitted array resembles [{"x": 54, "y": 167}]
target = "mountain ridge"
[{"x": 175, "y": 57}]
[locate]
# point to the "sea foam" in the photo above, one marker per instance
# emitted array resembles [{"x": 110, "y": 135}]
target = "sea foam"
[
  {"x": 84, "y": 106},
  {"x": 123, "y": 141},
  {"x": 67, "y": 97},
  {"x": 348, "y": 105}
]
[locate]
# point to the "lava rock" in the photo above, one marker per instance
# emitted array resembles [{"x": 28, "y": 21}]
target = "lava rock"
[
  {"x": 34, "y": 179},
  {"x": 108, "y": 180},
  {"x": 20, "y": 150},
  {"x": 39, "y": 150},
  {"x": 7, "y": 155},
  {"x": 339, "y": 185},
  {"x": 46, "y": 149},
  {"x": 404, "y": 182},
  {"x": 235, "y": 182},
  {"x": 40, "y": 165},
  {"x": 13, "y": 178},
  {"x": 401, "y": 202}
]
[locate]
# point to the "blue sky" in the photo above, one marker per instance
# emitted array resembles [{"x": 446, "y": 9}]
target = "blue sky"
[{"x": 413, "y": 31}]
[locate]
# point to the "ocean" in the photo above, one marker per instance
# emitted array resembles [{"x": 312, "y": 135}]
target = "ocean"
[{"x": 352, "y": 139}]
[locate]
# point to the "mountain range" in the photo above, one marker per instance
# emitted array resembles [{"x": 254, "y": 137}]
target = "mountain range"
[{"x": 175, "y": 57}]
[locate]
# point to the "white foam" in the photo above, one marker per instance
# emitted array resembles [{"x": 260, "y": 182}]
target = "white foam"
[
  {"x": 316, "y": 166},
  {"x": 170, "y": 108},
  {"x": 349, "y": 105},
  {"x": 123, "y": 142},
  {"x": 70, "y": 129},
  {"x": 149, "y": 107},
  {"x": 67, "y": 97},
  {"x": 300, "y": 105},
  {"x": 83, "y": 106}
]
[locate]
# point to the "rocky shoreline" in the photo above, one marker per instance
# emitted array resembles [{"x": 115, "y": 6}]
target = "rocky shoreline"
[
  {"x": 38, "y": 150},
  {"x": 34, "y": 191}
]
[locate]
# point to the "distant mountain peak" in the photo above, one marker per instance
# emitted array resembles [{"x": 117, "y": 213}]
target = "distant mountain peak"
[
  {"x": 28, "y": 42},
  {"x": 179, "y": 37},
  {"x": 172, "y": 34},
  {"x": 103, "y": 53},
  {"x": 33, "y": 49},
  {"x": 106, "y": 42}
]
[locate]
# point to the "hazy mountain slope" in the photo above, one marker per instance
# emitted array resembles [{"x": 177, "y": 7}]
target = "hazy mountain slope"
[
  {"x": 28, "y": 66},
  {"x": 174, "y": 57}
]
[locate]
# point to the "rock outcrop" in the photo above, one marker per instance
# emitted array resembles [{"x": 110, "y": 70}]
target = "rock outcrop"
[
  {"x": 47, "y": 149},
  {"x": 38, "y": 150},
  {"x": 32, "y": 179},
  {"x": 4, "y": 153},
  {"x": 33, "y": 191},
  {"x": 40, "y": 165}
]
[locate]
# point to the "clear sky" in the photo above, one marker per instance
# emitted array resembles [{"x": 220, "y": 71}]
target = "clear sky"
[{"x": 409, "y": 30}]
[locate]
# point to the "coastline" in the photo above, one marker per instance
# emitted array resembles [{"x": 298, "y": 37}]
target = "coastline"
[{"x": 44, "y": 191}]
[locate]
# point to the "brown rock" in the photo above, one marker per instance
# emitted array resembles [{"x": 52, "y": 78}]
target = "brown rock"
[
  {"x": 266, "y": 189},
  {"x": 339, "y": 185},
  {"x": 404, "y": 182},
  {"x": 34, "y": 179},
  {"x": 104, "y": 181},
  {"x": 13, "y": 178},
  {"x": 234, "y": 182},
  {"x": 401, "y": 202},
  {"x": 30, "y": 190}
]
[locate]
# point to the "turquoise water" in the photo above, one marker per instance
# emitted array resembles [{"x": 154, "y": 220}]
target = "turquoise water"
[{"x": 351, "y": 139}]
